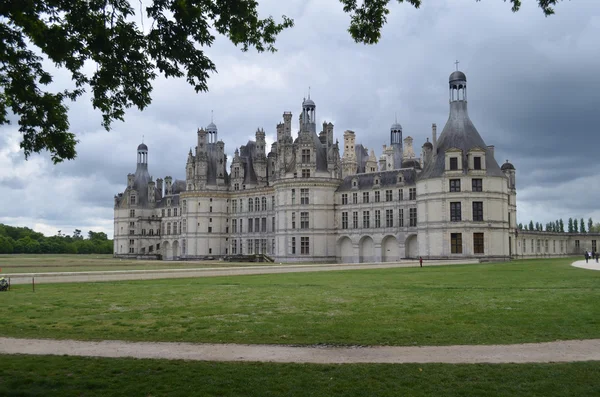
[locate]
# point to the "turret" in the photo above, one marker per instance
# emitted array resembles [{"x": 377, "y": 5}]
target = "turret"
[
  {"x": 349, "y": 163},
  {"x": 201, "y": 140},
  {"x": 287, "y": 124},
  {"x": 509, "y": 170},
  {"x": 151, "y": 191},
  {"x": 260, "y": 162},
  {"x": 168, "y": 185},
  {"x": 159, "y": 187},
  {"x": 427, "y": 153}
]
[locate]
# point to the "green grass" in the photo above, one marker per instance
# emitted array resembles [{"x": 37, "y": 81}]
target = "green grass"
[
  {"x": 525, "y": 301},
  {"x": 24, "y": 263},
  {"x": 74, "y": 376}
]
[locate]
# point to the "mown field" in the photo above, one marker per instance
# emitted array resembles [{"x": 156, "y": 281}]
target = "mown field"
[
  {"x": 522, "y": 301},
  {"x": 25, "y": 263},
  {"x": 74, "y": 376}
]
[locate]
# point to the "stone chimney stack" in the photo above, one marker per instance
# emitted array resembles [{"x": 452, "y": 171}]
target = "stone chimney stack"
[{"x": 434, "y": 137}]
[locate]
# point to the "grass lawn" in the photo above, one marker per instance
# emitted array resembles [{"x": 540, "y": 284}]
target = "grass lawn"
[
  {"x": 24, "y": 263},
  {"x": 74, "y": 376},
  {"x": 522, "y": 301}
]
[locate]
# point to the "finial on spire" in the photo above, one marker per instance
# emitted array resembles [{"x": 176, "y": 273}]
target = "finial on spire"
[
  {"x": 142, "y": 139},
  {"x": 308, "y": 92},
  {"x": 456, "y": 63},
  {"x": 211, "y": 116}
]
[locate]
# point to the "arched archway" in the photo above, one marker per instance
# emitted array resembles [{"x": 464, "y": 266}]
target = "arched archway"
[
  {"x": 167, "y": 251},
  {"x": 345, "y": 250},
  {"x": 175, "y": 250},
  {"x": 412, "y": 246},
  {"x": 366, "y": 250},
  {"x": 390, "y": 251}
]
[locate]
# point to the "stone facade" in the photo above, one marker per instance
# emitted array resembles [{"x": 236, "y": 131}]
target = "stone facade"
[{"x": 303, "y": 201}]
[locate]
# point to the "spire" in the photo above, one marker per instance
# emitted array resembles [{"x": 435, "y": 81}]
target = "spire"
[{"x": 456, "y": 63}]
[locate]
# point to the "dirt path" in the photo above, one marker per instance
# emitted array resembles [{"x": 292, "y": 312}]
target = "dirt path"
[{"x": 561, "y": 351}]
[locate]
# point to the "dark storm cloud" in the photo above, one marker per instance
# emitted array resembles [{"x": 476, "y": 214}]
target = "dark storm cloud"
[{"x": 533, "y": 93}]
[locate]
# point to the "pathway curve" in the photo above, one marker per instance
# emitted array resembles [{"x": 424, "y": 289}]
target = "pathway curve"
[
  {"x": 591, "y": 264},
  {"x": 560, "y": 351}
]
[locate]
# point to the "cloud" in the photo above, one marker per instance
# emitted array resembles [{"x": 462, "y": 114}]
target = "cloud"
[{"x": 533, "y": 91}]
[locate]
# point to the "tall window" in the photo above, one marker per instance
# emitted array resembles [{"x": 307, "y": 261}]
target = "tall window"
[
  {"x": 304, "y": 245},
  {"x": 236, "y": 172},
  {"x": 478, "y": 211},
  {"x": 180, "y": 226},
  {"x": 477, "y": 163},
  {"x": 185, "y": 226},
  {"x": 354, "y": 198},
  {"x": 412, "y": 193},
  {"x": 455, "y": 185},
  {"x": 233, "y": 225},
  {"x": 234, "y": 247},
  {"x": 233, "y": 206},
  {"x": 132, "y": 200},
  {"x": 355, "y": 220},
  {"x": 388, "y": 195},
  {"x": 400, "y": 194},
  {"x": 162, "y": 213},
  {"x": 412, "y": 217},
  {"x": 250, "y": 225},
  {"x": 377, "y": 196},
  {"x": 293, "y": 220},
  {"x": 377, "y": 218},
  {"x": 455, "y": 212},
  {"x": 250, "y": 204},
  {"x": 344, "y": 220},
  {"x": 365, "y": 197},
  {"x": 250, "y": 246},
  {"x": 344, "y": 198},
  {"x": 256, "y": 204},
  {"x": 237, "y": 187},
  {"x": 169, "y": 212},
  {"x": 273, "y": 224},
  {"x": 293, "y": 245},
  {"x": 305, "y": 173},
  {"x": 263, "y": 203},
  {"x": 304, "y": 196},
  {"x": 401, "y": 217},
  {"x": 132, "y": 213},
  {"x": 272, "y": 202},
  {"x": 306, "y": 155},
  {"x": 169, "y": 228},
  {"x": 453, "y": 163},
  {"x": 477, "y": 185},
  {"x": 389, "y": 218},
  {"x": 456, "y": 243},
  {"x": 366, "y": 219},
  {"x": 478, "y": 243},
  {"x": 304, "y": 220},
  {"x": 293, "y": 196},
  {"x": 185, "y": 206}
]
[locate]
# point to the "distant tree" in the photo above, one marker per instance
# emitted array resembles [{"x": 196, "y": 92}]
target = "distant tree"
[
  {"x": 582, "y": 226},
  {"x": 520, "y": 226},
  {"x": 575, "y": 226},
  {"x": 101, "y": 236},
  {"x": 531, "y": 225},
  {"x": 590, "y": 225},
  {"x": 561, "y": 226},
  {"x": 77, "y": 234},
  {"x": 596, "y": 228},
  {"x": 6, "y": 245},
  {"x": 570, "y": 227}
]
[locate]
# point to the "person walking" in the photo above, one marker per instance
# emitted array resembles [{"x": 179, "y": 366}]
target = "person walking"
[
  {"x": 597, "y": 255},
  {"x": 587, "y": 256},
  {"x": 421, "y": 261}
]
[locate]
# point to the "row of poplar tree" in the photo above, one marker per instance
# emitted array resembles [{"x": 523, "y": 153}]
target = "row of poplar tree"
[
  {"x": 573, "y": 226},
  {"x": 23, "y": 240}
]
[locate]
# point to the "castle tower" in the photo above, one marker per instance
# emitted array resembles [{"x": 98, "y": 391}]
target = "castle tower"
[
  {"x": 308, "y": 116},
  {"x": 260, "y": 160},
  {"x": 409, "y": 152},
  {"x": 396, "y": 145},
  {"x": 142, "y": 156},
  {"x": 168, "y": 185},
  {"x": 349, "y": 163},
  {"x": 190, "y": 170}
]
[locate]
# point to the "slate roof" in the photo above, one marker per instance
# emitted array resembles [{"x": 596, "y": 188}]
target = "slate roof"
[{"x": 386, "y": 179}]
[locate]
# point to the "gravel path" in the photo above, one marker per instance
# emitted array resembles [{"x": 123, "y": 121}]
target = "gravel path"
[
  {"x": 561, "y": 351},
  {"x": 591, "y": 265}
]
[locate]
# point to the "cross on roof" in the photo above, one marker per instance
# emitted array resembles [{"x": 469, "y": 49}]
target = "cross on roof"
[{"x": 456, "y": 63}]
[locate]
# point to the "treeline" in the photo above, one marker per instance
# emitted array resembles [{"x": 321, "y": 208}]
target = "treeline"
[
  {"x": 573, "y": 226},
  {"x": 22, "y": 240}
]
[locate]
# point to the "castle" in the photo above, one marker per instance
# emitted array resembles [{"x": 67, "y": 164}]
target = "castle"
[{"x": 304, "y": 202}]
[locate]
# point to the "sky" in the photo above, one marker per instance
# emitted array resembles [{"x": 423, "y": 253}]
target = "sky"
[{"x": 533, "y": 93}]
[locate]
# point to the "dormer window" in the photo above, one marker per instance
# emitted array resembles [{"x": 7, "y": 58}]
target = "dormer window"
[
  {"x": 377, "y": 181},
  {"x": 306, "y": 155},
  {"x": 305, "y": 173},
  {"x": 477, "y": 163},
  {"x": 453, "y": 163},
  {"x": 132, "y": 200},
  {"x": 399, "y": 178}
]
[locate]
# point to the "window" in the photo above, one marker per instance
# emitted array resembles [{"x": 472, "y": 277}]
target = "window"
[
  {"x": 455, "y": 185},
  {"x": 354, "y": 198},
  {"x": 168, "y": 228},
  {"x": 355, "y": 220},
  {"x": 210, "y": 229},
  {"x": 377, "y": 196},
  {"x": 210, "y": 209},
  {"x": 477, "y": 185},
  {"x": 293, "y": 196},
  {"x": 169, "y": 212},
  {"x": 131, "y": 250},
  {"x": 273, "y": 224},
  {"x": 456, "y": 243},
  {"x": 524, "y": 246},
  {"x": 388, "y": 195},
  {"x": 304, "y": 245},
  {"x": 412, "y": 192},
  {"x": 241, "y": 231},
  {"x": 263, "y": 225},
  {"x": 263, "y": 203},
  {"x": 304, "y": 220},
  {"x": 538, "y": 245},
  {"x": 305, "y": 173},
  {"x": 455, "y": 212},
  {"x": 478, "y": 243},
  {"x": 377, "y": 218},
  {"x": 272, "y": 202},
  {"x": 236, "y": 173},
  {"x": 293, "y": 245},
  {"x": 453, "y": 163},
  {"x": 131, "y": 242},
  {"x": 263, "y": 246},
  {"x": 132, "y": 200},
  {"x": 250, "y": 225},
  {"x": 365, "y": 197},
  {"x": 132, "y": 213},
  {"x": 412, "y": 214},
  {"x": 162, "y": 212},
  {"x": 389, "y": 218},
  {"x": 185, "y": 206},
  {"x": 304, "y": 196},
  {"x": 250, "y": 246},
  {"x": 131, "y": 224},
  {"x": 237, "y": 187},
  {"x": 250, "y": 204},
  {"x": 400, "y": 194},
  {"x": 293, "y": 220},
  {"x": 577, "y": 244},
  {"x": 344, "y": 220},
  {"x": 174, "y": 211},
  {"x": 185, "y": 226},
  {"x": 234, "y": 247},
  {"x": 401, "y": 217},
  {"x": 306, "y": 155},
  {"x": 594, "y": 245},
  {"x": 234, "y": 206},
  {"x": 366, "y": 219},
  {"x": 344, "y": 198},
  {"x": 256, "y": 205},
  {"x": 477, "y": 211},
  {"x": 233, "y": 225},
  {"x": 477, "y": 163},
  {"x": 180, "y": 227}
]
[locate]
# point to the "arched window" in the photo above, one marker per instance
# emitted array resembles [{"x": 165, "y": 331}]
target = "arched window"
[
  {"x": 256, "y": 204},
  {"x": 250, "y": 205},
  {"x": 264, "y": 203}
]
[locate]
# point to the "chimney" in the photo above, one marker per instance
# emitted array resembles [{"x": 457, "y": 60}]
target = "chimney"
[
  {"x": 491, "y": 150},
  {"x": 434, "y": 137}
]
